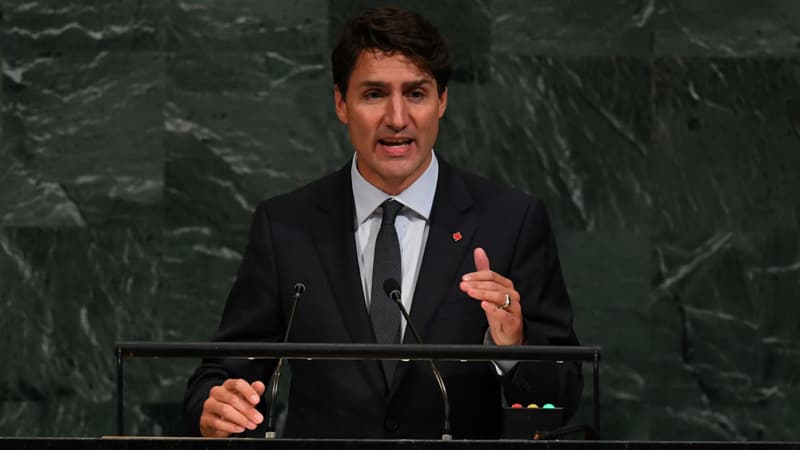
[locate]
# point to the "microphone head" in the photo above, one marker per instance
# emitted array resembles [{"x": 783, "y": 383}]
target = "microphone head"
[
  {"x": 299, "y": 288},
  {"x": 391, "y": 288}
]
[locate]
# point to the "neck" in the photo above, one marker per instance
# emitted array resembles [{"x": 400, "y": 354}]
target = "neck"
[{"x": 394, "y": 186}]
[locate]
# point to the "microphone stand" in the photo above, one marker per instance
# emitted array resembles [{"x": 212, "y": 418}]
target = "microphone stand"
[
  {"x": 394, "y": 293},
  {"x": 299, "y": 288}
]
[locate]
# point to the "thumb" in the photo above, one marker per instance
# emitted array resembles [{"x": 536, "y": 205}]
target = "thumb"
[
  {"x": 481, "y": 260},
  {"x": 259, "y": 387}
]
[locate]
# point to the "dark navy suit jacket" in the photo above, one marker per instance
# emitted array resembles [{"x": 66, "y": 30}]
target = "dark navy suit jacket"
[{"x": 308, "y": 236}]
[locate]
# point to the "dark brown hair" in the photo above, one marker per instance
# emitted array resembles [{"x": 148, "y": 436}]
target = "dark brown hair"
[{"x": 391, "y": 30}]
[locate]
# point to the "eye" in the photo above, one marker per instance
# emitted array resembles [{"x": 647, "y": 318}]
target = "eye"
[
  {"x": 373, "y": 95},
  {"x": 417, "y": 95}
]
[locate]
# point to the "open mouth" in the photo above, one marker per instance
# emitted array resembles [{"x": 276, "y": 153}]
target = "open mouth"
[{"x": 395, "y": 142}]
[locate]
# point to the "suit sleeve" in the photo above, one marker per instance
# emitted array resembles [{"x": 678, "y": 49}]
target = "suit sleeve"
[
  {"x": 547, "y": 318},
  {"x": 253, "y": 313}
]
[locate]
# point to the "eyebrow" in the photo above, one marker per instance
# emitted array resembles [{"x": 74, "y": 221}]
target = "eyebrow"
[{"x": 406, "y": 86}]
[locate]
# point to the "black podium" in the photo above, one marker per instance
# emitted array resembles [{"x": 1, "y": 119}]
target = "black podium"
[
  {"x": 126, "y": 443},
  {"x": 516, "y": 421}
]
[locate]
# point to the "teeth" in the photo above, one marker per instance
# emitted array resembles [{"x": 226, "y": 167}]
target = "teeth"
[{"x": 395, "y": 143}]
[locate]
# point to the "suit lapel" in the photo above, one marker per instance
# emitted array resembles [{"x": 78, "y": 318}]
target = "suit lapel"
[
  {"x": 334, "y": 235},
  {"x": 444, "y": 252},
  {"x": 333, "y": 232}
]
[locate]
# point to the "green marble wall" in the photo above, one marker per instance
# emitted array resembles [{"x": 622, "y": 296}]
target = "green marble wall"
[{"x": 664, "y": 135}]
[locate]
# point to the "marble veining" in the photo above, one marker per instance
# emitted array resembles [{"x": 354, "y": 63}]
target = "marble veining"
[{"x": 136, "y": 137}]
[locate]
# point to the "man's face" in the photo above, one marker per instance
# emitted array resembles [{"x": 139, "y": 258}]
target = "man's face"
[{"x": 392, "y": 111}]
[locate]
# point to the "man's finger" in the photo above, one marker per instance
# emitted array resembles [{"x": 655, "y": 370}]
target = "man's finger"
[
  {"x": 486, "y": 285},
  {"x": 259, "y": 387},
  {"x": 224, "y": 395},
  {"x": 496, "y": 298},
  {"x": 488, "y": 275},
  {"x": 220, "y": 434},
  {"x": 217, "y": 426},
  {"x": 243, "y": 388},
  {"x": 212, "y": 424},
  {"x": 481, "y": 260},
  {"x": 230, "y": 414}
]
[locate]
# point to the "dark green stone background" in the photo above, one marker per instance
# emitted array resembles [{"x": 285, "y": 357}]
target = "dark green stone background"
[{"x": 664, "y": 136}]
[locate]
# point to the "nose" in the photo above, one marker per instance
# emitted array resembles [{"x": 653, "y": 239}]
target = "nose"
[{"x": 396, "y": 113}]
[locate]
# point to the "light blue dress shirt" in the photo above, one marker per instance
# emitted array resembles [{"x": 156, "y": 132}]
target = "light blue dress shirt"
[{"x": 412, "y": 225}]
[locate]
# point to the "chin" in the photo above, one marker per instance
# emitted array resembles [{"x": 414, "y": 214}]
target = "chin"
[{"x": 400, "y": 166}]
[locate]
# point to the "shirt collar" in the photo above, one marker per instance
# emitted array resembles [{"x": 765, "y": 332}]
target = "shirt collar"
[{"x": 418, "y": 197}]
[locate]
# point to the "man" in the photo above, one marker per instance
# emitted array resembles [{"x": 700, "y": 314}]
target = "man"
[{"x": 476, "y": 263}]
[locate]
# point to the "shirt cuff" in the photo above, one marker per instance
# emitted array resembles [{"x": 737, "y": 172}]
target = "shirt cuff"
[{"x": 501, "y": 367}]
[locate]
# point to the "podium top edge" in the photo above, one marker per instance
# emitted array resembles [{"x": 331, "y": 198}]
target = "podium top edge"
[{"x": 294, "y": 350}]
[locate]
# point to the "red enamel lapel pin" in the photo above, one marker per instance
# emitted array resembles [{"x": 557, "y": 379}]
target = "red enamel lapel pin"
[{"x": 457, "y": 236}]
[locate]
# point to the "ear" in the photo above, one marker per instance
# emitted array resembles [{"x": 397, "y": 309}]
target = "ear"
[
  {"x": 442, "y": 103},
  {"x": 341, "y": 104}
]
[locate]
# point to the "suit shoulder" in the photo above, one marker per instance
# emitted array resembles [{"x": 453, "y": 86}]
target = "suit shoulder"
[
  {"x": 484, "y": 190},
  {"x": 494, "y": 200},
  {"x": 303, "y": 197}
]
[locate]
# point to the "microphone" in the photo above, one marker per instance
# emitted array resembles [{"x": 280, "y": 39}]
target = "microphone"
[
  {"x": 392, "y": 289},
  {"x": 299, "y": 289}
]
